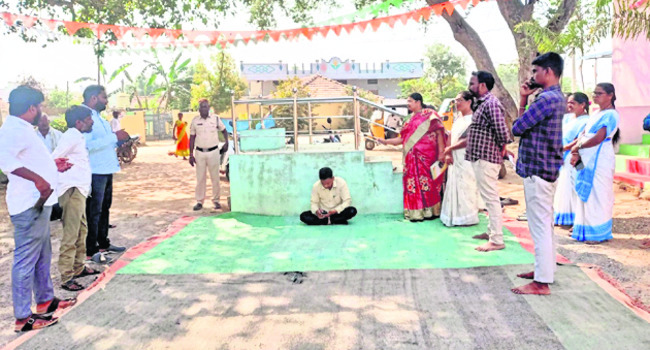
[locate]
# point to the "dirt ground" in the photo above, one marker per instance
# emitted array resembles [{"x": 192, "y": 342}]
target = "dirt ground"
[{"x": 157, "y": 189}]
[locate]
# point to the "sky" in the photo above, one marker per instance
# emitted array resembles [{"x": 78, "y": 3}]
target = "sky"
[{"x": 65, "y": 61}]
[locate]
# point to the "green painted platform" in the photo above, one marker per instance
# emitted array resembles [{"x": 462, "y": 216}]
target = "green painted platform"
[
  {"x": 645, "y": 139},
  {"x": 636, "y": 150},
  {"x": 246, "y": 243}
]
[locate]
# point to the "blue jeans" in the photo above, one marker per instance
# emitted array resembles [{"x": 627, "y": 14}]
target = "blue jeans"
[
  {"x": 98, "y": 207},
  {"x": 31, "y": 269}
]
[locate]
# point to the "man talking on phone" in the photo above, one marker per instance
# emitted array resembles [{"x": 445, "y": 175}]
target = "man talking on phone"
[{"x": 330, "y": 201}]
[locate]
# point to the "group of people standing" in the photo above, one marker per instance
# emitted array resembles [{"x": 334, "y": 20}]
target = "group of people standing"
[
  {"x": 72, "y": 169},
  {"x": 560, "y": 144}
]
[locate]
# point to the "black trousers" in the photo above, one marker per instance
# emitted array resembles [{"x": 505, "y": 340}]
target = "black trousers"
[
  {"x": 341, "y": 218},
  {"x": 98, "y": 207}
]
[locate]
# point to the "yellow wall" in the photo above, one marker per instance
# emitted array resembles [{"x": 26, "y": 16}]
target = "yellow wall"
[{"x": 133, "y": 123}]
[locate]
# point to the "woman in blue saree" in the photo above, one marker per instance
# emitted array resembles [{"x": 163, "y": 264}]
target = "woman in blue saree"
[{"x": 593, "y": 154}]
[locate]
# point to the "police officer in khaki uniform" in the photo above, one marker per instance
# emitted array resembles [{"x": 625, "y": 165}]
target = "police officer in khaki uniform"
[{"x": 204, "y": 138}]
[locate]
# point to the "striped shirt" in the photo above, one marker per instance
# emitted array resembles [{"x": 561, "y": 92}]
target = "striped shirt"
[
  {"x": 488, "y": 132},
  {"x": 540, "y": 128}
]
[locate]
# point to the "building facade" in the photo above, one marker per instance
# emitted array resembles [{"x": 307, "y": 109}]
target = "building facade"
[{"x": 380, "y": 78}]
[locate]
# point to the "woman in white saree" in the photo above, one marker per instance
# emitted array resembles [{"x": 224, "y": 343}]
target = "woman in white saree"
[
  {"x": 460, "y": 201},
  {"x": 593, "y": 155},
  {"x": 572, "y": 126}
]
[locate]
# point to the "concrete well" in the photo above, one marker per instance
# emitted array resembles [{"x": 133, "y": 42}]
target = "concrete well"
[{"x": 281, "y": 183}]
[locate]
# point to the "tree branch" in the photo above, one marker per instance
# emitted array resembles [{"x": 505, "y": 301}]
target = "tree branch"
[
  {"x": 560, "y": 20},
  {"x": 469, "y": 38}
]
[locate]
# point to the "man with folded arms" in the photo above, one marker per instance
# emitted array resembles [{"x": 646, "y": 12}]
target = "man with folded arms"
[{"x": 32, "y": 172}]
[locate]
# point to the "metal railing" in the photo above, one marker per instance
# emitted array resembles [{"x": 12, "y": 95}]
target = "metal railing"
[{"x": 295, "y": 101}]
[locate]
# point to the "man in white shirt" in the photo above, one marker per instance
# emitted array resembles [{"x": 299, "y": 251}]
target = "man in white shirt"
[
  {"x": 393, "y": 121},
  {"x": 32, "y": 175},
  {"x": 330, "y": 201},
  {"x": 73, "y": 189},
  {"x": 49, "y": 135},
  {"x": 115, "y": 122}
]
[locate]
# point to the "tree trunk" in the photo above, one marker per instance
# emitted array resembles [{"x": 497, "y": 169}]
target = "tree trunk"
[
  {"x": 514, "y": 12},
  {"x": 467, "y": 36}
]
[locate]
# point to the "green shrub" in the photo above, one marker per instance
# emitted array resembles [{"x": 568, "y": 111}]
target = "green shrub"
[{"x": 59, "y": 124}]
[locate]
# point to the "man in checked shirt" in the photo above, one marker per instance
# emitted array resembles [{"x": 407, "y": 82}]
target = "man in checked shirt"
[
  {"x": 540, "y": 158},
  {"x": 486, "y": 144}
]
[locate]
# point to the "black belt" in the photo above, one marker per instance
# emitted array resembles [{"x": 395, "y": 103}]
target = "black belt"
[{"x": 207, "y": 149}]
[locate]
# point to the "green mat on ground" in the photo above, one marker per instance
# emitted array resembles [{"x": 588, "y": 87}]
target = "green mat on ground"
[{"x": 242, "y": 243}]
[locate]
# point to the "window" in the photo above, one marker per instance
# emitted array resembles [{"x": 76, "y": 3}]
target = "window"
[
  {"x": 343, "y": 81},
  {"x": 372, "y": 81},
  {"x": 276, "y": 83}
]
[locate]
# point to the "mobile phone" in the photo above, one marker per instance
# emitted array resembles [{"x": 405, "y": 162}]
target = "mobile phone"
[
  {"x": 323, "y": 211},
  {"x": 580, "y": 165}
]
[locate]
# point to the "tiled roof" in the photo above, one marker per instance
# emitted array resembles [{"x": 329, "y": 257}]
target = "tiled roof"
[{"x": 320, "y": 86}]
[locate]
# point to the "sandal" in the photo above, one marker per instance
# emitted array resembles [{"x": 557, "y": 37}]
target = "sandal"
[
  {"x": 508, "y": 201},
  {"x": 34, "y": 322},
  {"x": 72, "y": 286},
  {"x": 48, "y": 308},
  {"x": 522, "y": 217},
  {"x": 87, "y": 271}
]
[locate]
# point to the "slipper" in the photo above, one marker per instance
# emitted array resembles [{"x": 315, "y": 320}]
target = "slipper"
[
  {"x": 87, "y": 272},
  {"x": 72, "y": 286},
  {"x": 48, "y": 308},
  {"x": 522, "y": 217},
  {"x": 34, "y": 322},
  {"x": 509, "y": 201}
]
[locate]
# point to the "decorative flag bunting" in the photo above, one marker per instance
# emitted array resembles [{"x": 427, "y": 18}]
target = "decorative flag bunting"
[{"x": 222, "y": 38}]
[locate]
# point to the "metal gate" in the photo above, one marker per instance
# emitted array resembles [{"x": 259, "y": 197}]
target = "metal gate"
[{"x": 159, "y": 126}]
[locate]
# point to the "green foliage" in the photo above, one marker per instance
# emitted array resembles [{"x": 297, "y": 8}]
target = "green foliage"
[
  {"x": 61, "y": 99},
  {"x": 444, "y": 77},
  {"x": 285, "y": 89},
  {"x": 628, "y": 22},
  {"x": 429, "y": 90},
  {"x": 171, "y": 13},
  {"x": 217, "y": 82},
  {"x": 443, "y": 67},
  {"x": 423, "y": 86},
  {"x": 59, "y": 124},
  {"x": 365, "y": 111},
  {"x": 509, "y": 74},
  {"x": 174, "y": 80},
  {"x": 588, "y": 24}
]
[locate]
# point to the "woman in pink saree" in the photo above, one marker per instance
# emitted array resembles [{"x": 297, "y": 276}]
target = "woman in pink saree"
[{"x": 424, "y": 140}]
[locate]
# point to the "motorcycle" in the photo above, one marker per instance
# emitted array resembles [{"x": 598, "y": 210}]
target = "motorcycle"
[
  {"x": 127, "y": 151},
  {"x": 332, "y": 137}
]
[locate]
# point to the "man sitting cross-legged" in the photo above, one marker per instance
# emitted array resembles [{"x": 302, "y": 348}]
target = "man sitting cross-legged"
[{"x": 330, "y": 201}]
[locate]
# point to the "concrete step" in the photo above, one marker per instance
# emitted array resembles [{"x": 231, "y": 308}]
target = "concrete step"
[
  {"x": 645, "y": 139},
  {"x": 637, "y": 180},
  {"x": 637, "y": 150},
  {"x": 638, "y": 166}
]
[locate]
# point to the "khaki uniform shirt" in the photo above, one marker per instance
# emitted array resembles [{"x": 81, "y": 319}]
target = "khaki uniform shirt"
[
  {"x": 207, "y": 131},
  {"x": 338, "y": 198}
]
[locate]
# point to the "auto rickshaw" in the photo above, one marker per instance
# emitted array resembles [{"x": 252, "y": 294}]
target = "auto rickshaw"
[
  {"x": 376, "y": 132},
  {"x": 447, "y": 111}
]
